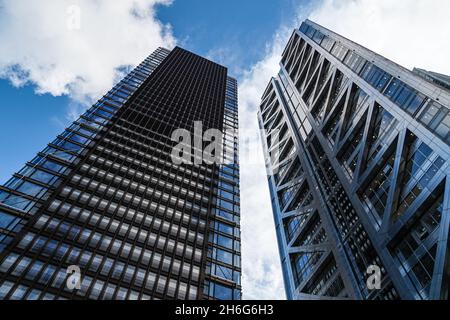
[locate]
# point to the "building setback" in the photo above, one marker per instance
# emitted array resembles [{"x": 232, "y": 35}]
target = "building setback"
[
  {"x": 437, "y": 78},
  {"x": 105, "y": 196},
  {"x": 358, "y": 156}
]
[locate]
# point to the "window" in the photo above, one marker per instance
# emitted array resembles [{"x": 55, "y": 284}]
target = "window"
[
  {"x": 226, "y": 205},
  {"x": 67, "y": 146},
  {"x": 77, "y": 138},
  {"x": 7, "y": 220},
  {"x": 375, "y": 76},
  {"x": 225, "y": 215},
  {"x": 303, "y": 265},
  {"x": 31, "y": 189},
  {"x": 224, "y": 242},
  {"x": 404, "y": 96},
  {"x": 8, "y": 262},
  {"x": 47, "y": 164},
  {"x": 220, "y": 271},
  {"x": 5, "y": 288},
  {"x": 339, "y": 51},
  {"x": 224, "y": 228},
  {"x": 354, "y": 61},
  {"x": 318, "y": 37},
  {"x": 19, "y": 293},
  {"x": 98, "y": 286},
  {"x": 224, "y": 256},
  {"x": 219, "y": 291},
  {"x": 376, "y": 193},
  {"x": 226, "y": 195},
  {"x": 437, "y": 118},
  {"x": 43, "y": 177},
  {"x": 47, "y": 274}
]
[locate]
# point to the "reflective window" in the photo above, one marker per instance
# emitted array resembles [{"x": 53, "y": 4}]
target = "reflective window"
[
  {"x": 223, "y": 293},
  {"x": 6, "y": 220},
  {"x": 375, "y": 76}
]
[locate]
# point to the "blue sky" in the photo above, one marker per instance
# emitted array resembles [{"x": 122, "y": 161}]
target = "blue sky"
[
  {"x": 50, "y": 72},
  {"x": 27, "y": 123},
  {"x": 232, "y": 31}
]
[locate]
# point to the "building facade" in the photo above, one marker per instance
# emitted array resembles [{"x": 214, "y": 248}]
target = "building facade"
[
  {"x": 358, "y": 158},
  {"x": 437, "y": 78},
  {"x": 104, "y": 203}
]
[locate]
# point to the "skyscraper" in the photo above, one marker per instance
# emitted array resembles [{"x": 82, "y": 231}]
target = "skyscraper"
[
  {"x": 358, "y": 159},
  {"x": 105, "y": 204}
]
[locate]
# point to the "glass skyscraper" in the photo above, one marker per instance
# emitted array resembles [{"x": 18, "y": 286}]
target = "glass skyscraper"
[
  {"x": 358, "y": 158},
  {"x": 105, "y": 196}
]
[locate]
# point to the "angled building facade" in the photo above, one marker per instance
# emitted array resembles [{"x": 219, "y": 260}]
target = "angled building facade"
[
  {"x": 106, "y": 198},
  {"x": 358, "y": 156}
]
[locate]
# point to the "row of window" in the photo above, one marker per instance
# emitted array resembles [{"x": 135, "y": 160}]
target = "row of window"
[
  {"x": 114, "y": 264},
  {"x": 135, "y": 218},
  {"x": 95, "y": 289},
  {"x": 145, "y": 165},
  {"x": 124, "y": 230}
]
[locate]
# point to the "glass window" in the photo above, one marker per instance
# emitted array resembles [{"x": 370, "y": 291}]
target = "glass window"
[
  {"x": 224, "y": 228},
  {"x": 43, "y": 177},
  {"x": 318, "y": 37},
  {"x": 226, "y": 186},
  {"x": 59, "y": 154},
  {"x": 221, "y": 271},
  {"x": 53, "y": 166},
  {"x": 226, "y": 195},
  {"x": 19, "y": 293},
  {"x": 224, "y": 256},
  {"x": 31, "y": 189},
  {"x": 375, "y": 76},
  {"x": 47, "y": 274},
  {"x": 225, "y": 215},
  {"x": 222, "y": 293},
  {"x": 6, "y": 220},
  {"x": 339, "y": 51},
  {"x": 68, "y": 146},
  {"x": 226, "y": 205},
  {"x": 225, "y": 241}
]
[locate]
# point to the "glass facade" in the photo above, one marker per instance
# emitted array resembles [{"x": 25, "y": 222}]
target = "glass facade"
[
  {"x": 106, "y": 197},
  {"x": 365, "y": 180}
]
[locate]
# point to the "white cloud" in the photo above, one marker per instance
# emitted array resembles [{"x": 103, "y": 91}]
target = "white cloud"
[
  {"x": 42, "y": 44},
  {"x": 262, "y": 278},
  {"x": 410, "y": 32}
]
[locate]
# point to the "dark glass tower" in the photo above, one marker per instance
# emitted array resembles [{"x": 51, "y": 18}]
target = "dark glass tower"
[
  {"x": 358, "y": 159},
  {"x": 106, "y": 197}
]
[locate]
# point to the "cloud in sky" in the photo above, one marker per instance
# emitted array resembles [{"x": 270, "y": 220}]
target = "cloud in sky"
[
  {"x": 262, "y": 277},
  {"x": 37, "y": 47},
  {"x": 43, "y": 44},
  {"x": 410, "y": 32},
  {"x": 413, "y": 33}
]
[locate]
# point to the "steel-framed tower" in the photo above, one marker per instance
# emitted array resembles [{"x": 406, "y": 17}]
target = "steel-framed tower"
[{"x": 358, "y": 161}]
